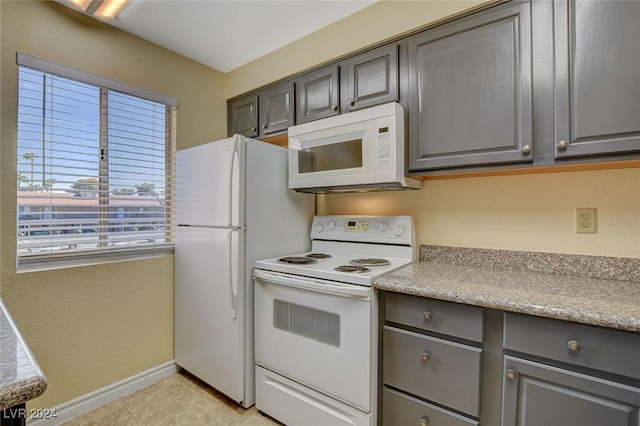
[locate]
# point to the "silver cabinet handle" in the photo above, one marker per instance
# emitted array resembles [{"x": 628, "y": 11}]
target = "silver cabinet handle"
[
  {"x": 563, "y": 144},
  {"x": 424, "y": 421},
  {"x": 253, "y": 129},
  {"x": 428, "y": 315},
  {"x": 573, "y": 345},
  {"x": 425, "y": 356},
  {"x": 264, "y": 126},
  {"x": 334, "y": 107},
  {"x": 526, "y": 149},
  {"x": 352, "y": 102},
  {"x": 511, "y": 374}
]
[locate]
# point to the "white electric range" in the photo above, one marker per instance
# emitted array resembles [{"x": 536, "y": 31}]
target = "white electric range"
[{"x": 316, "y": 319}]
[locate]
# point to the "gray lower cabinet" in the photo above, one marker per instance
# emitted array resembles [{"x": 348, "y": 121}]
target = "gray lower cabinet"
[
  {"x": 276, "y": 108},
  {"x": 536, "y": 394},
  {"x": 597, "y": 77},
  {"x": 437, "y": 370},
  {"x": 430, "y": 378},
  {"x": 560, "y": 373},
  {"x": 402, "y": 409},
  {"x": 243, "y": 116},
  {"x": 370, "y": 78},
  {"x": 470, "y": 91},
  {"x": 318, "y": 94}
]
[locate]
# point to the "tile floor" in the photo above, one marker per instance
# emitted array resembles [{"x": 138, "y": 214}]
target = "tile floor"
[{"x": 179, "y": 399}]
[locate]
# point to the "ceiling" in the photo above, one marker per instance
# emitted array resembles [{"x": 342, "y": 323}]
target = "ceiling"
[{"x": 226, "y": 34}]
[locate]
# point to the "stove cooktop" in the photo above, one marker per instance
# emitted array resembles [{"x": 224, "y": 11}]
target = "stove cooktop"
[
  {"x": 350, "y": 249},
  {"x": 342, "y": 267}
]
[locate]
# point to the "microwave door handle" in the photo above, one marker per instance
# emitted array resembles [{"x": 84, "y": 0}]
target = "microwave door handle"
[{"x": 317, "y": 285}]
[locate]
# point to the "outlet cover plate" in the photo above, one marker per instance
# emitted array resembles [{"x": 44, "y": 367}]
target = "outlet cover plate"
[{"x": 586, "y": 220}]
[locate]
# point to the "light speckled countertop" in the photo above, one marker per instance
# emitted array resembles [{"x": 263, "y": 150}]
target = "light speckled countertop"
[
  {"x": 596, "y": 301},
  {"x": 20, "y": 376}
]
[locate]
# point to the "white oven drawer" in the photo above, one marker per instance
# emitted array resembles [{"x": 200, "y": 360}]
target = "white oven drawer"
[
  {"x": 294, "y": 404},
  {"x": 322, "y": 340}
]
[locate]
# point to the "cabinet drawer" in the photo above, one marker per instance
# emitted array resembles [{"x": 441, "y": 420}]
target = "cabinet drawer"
[
  {"x": 448, "y": 318},
  {"x": 438, "y": 370},
  {"x": 602, "y": 349},
  {"x": 401, "y": 409}
]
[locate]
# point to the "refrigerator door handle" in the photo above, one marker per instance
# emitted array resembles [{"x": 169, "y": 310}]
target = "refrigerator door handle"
[
  {"x": 234, "y": 153},
  {"x": 234, "y": 283}
]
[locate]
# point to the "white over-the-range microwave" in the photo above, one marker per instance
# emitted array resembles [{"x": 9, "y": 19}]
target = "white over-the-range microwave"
[{"x": 358, "y": 151}]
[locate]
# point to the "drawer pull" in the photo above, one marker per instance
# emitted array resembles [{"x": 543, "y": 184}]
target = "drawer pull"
[
  {"x": 425, "y": 356},
  {"x": 428, "y": 315},
  {"x": 573, "y": 345},
  {"x": 511, "y": 374},
  {"x": 424, "y": 421}
]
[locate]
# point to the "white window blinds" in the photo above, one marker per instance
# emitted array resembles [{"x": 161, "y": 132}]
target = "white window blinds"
[{"x": 94, "y": 169}]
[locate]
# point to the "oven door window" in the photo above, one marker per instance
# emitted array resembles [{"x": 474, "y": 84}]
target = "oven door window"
[
  {"x": 312, "y": 323},
  {"x": 335, "y": 156}
]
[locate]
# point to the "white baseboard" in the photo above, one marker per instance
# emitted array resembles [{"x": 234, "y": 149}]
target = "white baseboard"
[{"x": 107, "y": 394}]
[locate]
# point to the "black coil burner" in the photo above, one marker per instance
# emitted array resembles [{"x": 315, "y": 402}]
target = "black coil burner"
[
  {"x": 297, "y": 260},
  {"x": 319, "y": 255},
  {"x": 352, "y": 269},
  {"x": 369, "y": 262}
]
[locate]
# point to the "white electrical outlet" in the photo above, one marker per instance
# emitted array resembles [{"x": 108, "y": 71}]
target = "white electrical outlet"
[{"x": 586, "y": 220}]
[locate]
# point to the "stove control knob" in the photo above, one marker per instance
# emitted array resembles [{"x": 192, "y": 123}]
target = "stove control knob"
[
  {"x": 384, "y": 225},
  {"x": 398, "y": 231},
  {"x": 319, "y": 228},
  {"x": 332, "y": 225}
]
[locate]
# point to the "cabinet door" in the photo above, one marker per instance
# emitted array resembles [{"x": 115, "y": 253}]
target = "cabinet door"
[
  {"x": 276, "y": 108},
  {"x": 318, "y": 95},
  {"x": 597, "y": 100},
  {"x": 470, "y": 91},
  {"x": 243, "y": 116},
  {"x": 540, "y": 395},
  {"x": 370, "y": 78}
]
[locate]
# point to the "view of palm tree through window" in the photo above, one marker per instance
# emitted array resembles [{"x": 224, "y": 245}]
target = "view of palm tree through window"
[{"x": 93, "y": 167}]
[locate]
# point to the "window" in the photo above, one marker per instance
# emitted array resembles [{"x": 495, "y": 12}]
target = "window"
[{"x": 95, "y": 162}]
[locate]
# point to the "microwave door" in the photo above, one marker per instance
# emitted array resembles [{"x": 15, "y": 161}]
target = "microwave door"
[{"x": 331, "y": 161}]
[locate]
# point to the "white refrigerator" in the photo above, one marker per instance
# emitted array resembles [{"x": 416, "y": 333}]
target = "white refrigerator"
[{"x": 233, "y": 207}]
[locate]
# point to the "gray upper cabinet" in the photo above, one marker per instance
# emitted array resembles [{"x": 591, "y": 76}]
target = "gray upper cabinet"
[
  {"x": 597, "y": 78},
  {"x": 370, "y": 78},
  {"x": 276, "y": 108},
  {"x": 470, "y": 91},
  {"x": 243, "y": 116},
  {"x": 318, "y": 94}
]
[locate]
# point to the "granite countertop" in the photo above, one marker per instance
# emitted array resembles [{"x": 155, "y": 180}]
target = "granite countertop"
[
  {"x": 20, "y": 376},
  {"x": 596, "y": 301}
]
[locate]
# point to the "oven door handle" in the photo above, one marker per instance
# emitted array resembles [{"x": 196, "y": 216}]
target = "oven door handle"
[{"x": 314, "y": 284}]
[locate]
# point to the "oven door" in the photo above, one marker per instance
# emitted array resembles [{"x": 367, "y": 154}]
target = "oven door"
[{"x": 318, "y": 333}]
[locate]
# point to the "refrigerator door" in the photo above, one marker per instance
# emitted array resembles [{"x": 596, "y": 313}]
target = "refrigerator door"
[
  {"x": 209, "y": 322},
  {"x": 209, "y": 179}
]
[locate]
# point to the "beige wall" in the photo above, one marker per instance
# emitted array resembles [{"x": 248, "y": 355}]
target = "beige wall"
[
  {"x": 380, "y": 21},
  {"x": 525, "y": 212},
  {"x": 92, "y": 326}
]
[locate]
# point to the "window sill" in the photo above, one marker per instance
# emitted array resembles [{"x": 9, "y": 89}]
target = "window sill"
[{"x": 48, "y": 262}]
